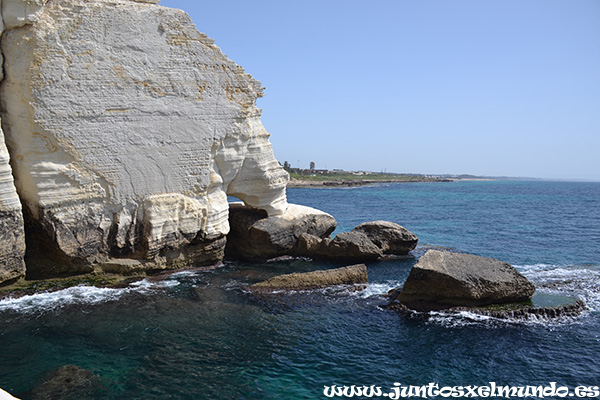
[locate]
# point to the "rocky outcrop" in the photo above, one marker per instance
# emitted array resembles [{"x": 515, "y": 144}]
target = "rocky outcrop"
[
  {"x": 127, "y": 129},
  {"x": 256, "y": 236},
  {"x": 351, "y": 275},
  {"x": 346, "y": 246},
  {"x": 442, "y": 280},
  {"x": 391, "y": 238},
  {"x": 367, "y": 242}
]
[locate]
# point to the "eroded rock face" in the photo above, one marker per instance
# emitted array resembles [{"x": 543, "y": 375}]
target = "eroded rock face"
[
  {"x": 351, "y": 275},
  {"x": 128, "y": 129},
  {"x": 255, "y": 236},
  {"x": 12, "y": 234},
  {"x": 441, "y": 280}
]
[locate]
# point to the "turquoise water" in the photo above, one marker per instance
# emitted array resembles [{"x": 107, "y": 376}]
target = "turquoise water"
[{"x": 200, "y": 335}]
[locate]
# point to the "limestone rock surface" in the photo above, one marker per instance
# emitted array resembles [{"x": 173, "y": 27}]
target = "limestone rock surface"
[
  {"x": 354, "y": 274},
  {"x": 443, "y": 279},
  {"x": 127, "y": 130},
  {"x": 254, "y": 235},
  {"x": 12, "y": 234}
]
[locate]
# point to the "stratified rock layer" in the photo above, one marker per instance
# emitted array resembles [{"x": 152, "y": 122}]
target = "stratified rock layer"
[
  {"x": 12, "y": 234},
  {"x": 442, "y": 280},
  {"x": 128, "y": 129}
]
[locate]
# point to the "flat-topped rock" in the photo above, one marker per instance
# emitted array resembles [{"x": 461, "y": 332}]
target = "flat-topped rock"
[
  {"x": 346, "y": 246},
  {"x": 351, "y": 275},
  {"x": 442, "y": 280}
]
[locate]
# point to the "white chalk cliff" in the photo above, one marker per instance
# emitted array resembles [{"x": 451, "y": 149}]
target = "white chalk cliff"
[{"x": 127, "y": 129}]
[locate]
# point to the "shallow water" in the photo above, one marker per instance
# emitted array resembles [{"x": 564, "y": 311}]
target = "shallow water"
[{"x": 201, "y": 335}]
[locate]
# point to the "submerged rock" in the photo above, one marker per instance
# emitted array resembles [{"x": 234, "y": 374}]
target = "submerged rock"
[
  {"x": 442, "y": 280},
  {"x": 351, "y": 275},
  {"x": 256, "y": 236},
  {"x": 70, "y": 382}
]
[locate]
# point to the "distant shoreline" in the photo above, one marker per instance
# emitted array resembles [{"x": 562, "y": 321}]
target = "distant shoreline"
[{"x": 301, "y": 183}]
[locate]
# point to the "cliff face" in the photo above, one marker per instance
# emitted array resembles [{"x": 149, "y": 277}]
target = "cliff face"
[{"x": 127, "y": 129}]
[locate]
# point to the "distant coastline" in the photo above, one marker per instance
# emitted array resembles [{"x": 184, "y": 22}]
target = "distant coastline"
[
  {"x": 345, "y": 179},
  {"x": 315, "y": 178}
]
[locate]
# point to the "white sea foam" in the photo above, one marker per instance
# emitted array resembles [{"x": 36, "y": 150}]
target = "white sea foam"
[
  {"x": 575, "y": 281},
  {"x": 147, "y": 284},
  {"x": 55, "y": 300},
  {"x": 379, "y": 289},
  {"x": 78, "y": 295}
]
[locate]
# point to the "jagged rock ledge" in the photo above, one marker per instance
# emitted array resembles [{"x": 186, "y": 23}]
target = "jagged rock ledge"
[{"x": 511, "y": 311}]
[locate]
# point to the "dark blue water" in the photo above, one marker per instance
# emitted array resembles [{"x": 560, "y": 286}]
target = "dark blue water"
[{"x": 200, "y": 335}]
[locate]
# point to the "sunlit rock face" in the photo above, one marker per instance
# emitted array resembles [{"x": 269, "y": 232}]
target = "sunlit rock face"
[{"x": 127, "y": 129}]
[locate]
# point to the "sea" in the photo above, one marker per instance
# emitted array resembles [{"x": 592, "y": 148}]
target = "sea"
[{"x": 200, "y": 334}]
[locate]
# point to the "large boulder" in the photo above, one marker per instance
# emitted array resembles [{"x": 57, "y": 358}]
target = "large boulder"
[
  {"x": 351, "y": 275},
  {"x": 127, "y": 130},
  {"x": 390, "y": 237},
  {"x": 442, "y": 280},
  {"x": 256, "y": 236}
]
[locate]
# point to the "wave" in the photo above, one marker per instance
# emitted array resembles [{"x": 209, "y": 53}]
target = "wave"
[
  {"x": 379, "y": 289},
  {"x": 467, "y": 318},
  {"x": 79, "y": 295},
  {"x": 49, "y": 301},
  {"x": 581, "y": 281}
]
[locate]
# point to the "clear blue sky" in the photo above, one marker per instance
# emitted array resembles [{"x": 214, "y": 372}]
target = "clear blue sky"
[{"x": 494, "y": 87}]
